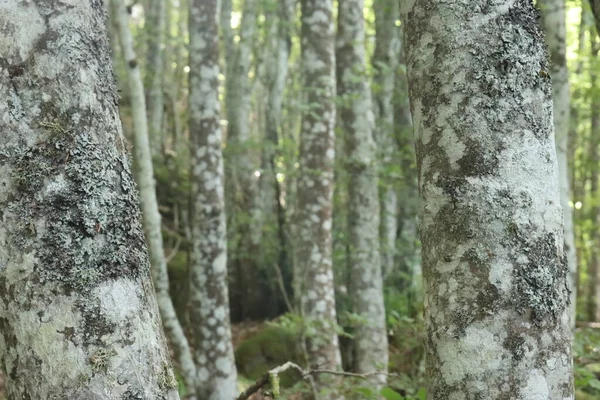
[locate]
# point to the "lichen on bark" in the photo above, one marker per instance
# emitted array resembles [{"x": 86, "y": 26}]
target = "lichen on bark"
[
  {"x": 313, "y": 273},
  {"x": 496, "y": 301},
  {"x": 76, "y": 301},
  {"x": 216, "y": 377},
  {"x": 357, "y": 121}
]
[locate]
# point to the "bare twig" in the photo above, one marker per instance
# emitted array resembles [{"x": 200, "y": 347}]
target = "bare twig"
[
  {"x": 171, "y": 256},
  {"x": 305, "y": 374},
  {"x": 281, "y": 284},
  {"x": 584, "y": 324}
]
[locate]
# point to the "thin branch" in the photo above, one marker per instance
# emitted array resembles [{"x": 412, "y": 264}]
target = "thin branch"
[
  {"x": 281, "y": 285},
  {"x": 171, "y": 256},
  {"x": 305, "y": 374},
  {"x": 585, "y": 324}
]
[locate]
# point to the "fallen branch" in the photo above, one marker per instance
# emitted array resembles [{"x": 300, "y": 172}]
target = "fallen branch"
[
  {"x": 593, "y": 325},
  {"x": 272, "y": 378}
]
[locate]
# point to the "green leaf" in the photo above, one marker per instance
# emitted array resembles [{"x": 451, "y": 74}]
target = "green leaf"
[
  {"x": 368, "y": 393},
  {"x": 594, "y": 383},
  {"x": 391, "y": 394}
]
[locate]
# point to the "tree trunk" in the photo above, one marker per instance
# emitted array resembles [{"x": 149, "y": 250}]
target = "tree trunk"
[
  {"x": 575, "y": 155},
  {"x": 408, "y": 276},
  {"x": 385, "y": 61},
  {"x": 277, "y": 77},
  {"x": 149, "y": 204},
  {"x": 313, "y": 262},
  {"x": 593, "y": 295},
  {"x": 356, "y": 112},
  {"x": 595, "y": 4},
  {"x": 155, "y": 29},
  {"x": 497, "y": 297},
  {"x": 554, "y": 23},
  {"x": 78, "y": 315},
  {"x": 209, "y": 311},
  {"x": 243, "y": 182},
  {"x": 227, "y": 34}
]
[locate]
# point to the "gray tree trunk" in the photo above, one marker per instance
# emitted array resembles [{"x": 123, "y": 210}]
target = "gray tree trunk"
[
  {"x": 554, "y": 24},
  {"x": 272, "y": 191},
  {"x": 313, "y": 262},
  {"x": 78, "y": 316},
  {"x": 209, "y": 311},
  {"x": 356, "y": 112},
  {"x": 497, "y": 299},
  {"x": 593, "y": 295},
  {"x": 155, "y": 29},
  {"x": 149, "y": 204},
  {"x": 242, "y": 181},
  {"x": 408, "y": 273},
  {"x": 385, "y": 61}
]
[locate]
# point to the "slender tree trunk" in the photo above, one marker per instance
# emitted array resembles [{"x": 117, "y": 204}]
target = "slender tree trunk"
[
  {"x": 356, "y": 112},
  {"x": 385, "y": 61},
  {"x": 408, "y": 250},
  {"x": 314, "y": 273},
  {"x": 595, "y": 4},
  {"x": 278, "y": 74},
  {"x": 593, "y": 295},
  {"x": 175, "y": 91},
  {"x": 497, "y": 298},
  {"x": 155, "y": 29},
  {"x": 149, "y": 204},
  {"x": 227, "y": 35},
  {"x": 78, "y": 317},
  {"x": 216, "y": 376},
  {"x": 554, "y": 24},
  {"x": 243, "y": 180},
  {"x": 575, "y": 153},
  {"x": 574, "y": 114}
]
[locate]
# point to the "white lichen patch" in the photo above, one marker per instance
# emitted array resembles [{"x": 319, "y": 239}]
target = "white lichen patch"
[{"x": 478, "y": 346}]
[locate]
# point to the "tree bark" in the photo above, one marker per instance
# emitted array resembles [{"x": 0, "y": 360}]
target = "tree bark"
[
  {"x": 356, "y": 112},
  {"x": 149, "y": 204},
  {"x": 242, "y": 180},
  {"x": 78, "y": 315},
  {"x": 595, "y": 4},
  {"x": 593, "y": 299},
  {"x": 554, "y": 24},
  {"x": 408, "y": 260},
  {"x": 155, "y": 29},
  {"x": 313, "y": 263},
  {"x": 209, "y": 311},
  {"x": 272, "y": 190},
  {"x": 496, "y": 276},
  {"x": 385, "y": 62}
]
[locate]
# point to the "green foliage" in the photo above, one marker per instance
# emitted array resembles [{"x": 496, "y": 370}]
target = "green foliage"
[
  {"x": 390, "y": 394},
  {"x": 586, "y": 353},
  {"x": 272, "y": 346}
]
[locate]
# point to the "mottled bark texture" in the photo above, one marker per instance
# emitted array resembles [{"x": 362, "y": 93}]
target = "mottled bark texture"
[
  {"x": 149, "y": 204},
  {"x": 209, "y": 302},
  {"x": 313, "y": 262},
  {"x": 554, "y": 24},
  {"x": 357, "y": 121},
  {"x": 385, "y": 61},
  {"x": 496, "y": 277},
  {"x": 78, "y": 317},
  {"x": 155, "y": 24}
]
